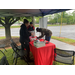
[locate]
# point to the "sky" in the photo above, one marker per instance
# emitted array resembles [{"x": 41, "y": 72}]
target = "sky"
[{"x": 70, "y": 11}]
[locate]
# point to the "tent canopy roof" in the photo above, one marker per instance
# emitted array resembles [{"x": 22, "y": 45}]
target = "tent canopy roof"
[{"x": 29, "y": 12}]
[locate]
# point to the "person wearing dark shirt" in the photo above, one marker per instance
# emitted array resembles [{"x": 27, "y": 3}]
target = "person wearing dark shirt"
[
  {"x": 24, "y": 37},
  {"x": 30, "y": 27},
  {"x": 44, "y": 32}
]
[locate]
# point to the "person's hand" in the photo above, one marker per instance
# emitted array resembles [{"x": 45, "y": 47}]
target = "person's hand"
[
  {"x": 47, "y": 42},
  {"x": 44, "y": 41},
  {"x": 37, "y": 37},
  {"x": 24, "y": 42},
  {"x": 32, "y": 34}
]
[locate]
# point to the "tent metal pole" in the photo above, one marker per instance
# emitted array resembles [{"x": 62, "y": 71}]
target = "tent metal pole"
[{"x": 33, "y": 20}]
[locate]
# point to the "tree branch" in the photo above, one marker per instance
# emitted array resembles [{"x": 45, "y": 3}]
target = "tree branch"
[
  {"x": 2, "y": 23},
  {"x": 11, "y": 20},
  {"x": 14, "y": 21},
  {"x": 2, "y": 19}
]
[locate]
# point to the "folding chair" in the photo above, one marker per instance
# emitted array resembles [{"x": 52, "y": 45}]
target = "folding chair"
[
  {"x": 64, "y": 56},
  {"x": 15, "y": 44},
  {"x": 17, "y": 53},
  {"x": 3, "y": 60},
  {"x": 18, "y": 47},
  {"x": 3, "y": 46}
]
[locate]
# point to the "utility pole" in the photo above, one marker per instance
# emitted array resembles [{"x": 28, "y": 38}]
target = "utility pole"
[
  {"x": 57, "y": 19},
  {"x": 61, "y": 24}
]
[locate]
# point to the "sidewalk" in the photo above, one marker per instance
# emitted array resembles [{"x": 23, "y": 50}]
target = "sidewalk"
[{"x": 62, "y": 45}]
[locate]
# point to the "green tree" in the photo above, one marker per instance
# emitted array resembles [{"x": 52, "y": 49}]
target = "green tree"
[
  {"x": 73, "y": 13},
  {"x": 37, "y": 19},
  {"x": 64, "y": 14},
  {"x": 64, "y": 20},
  {"x": 57, "y": 16},
  {"x": 8, "y": 21},
  {"x": 28, "y": 18},
  {"x": 68, "y": 18},
  {"x": 59, "y": 20},
  {"x": 52, "y": 21}
]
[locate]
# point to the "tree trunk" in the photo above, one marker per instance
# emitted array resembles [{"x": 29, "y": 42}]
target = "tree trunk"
[{"x": 7, "y": 32}]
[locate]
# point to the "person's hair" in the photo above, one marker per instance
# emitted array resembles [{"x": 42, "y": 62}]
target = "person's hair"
[
  {"x": 25, "y": 21},
  {"x": 37, "y": 29},
  {"x": 31, "y": 22}
]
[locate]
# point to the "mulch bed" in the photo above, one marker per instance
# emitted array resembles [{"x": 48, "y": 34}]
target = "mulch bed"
[
  {"x": 7, "y": 42},
  {"x": 73, "y": 44}
]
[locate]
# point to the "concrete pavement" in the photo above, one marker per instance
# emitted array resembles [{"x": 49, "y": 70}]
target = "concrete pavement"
[{"x": 62, "y": 45}]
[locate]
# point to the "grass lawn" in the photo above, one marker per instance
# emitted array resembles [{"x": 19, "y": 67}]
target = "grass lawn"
[
  {"x": 47, "y": 25},
  {"x": 53, "y": 25},
  {"x": 11, "y": 27},
  {"x": 10, "y": 58},
  {"x": 2, "y": 38},
  {"x": 35, "y": 26},
  {"x": 66, "y": 40}
]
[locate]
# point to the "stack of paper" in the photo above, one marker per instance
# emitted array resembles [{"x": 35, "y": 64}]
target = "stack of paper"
[{"x": 39, "y": 44}]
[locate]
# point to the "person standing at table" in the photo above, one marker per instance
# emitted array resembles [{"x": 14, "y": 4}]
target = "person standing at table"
[
  {"x": 24, "y": 37},
  {"x": 44, "y": 32},
  {"x": 30, "y": 27}
]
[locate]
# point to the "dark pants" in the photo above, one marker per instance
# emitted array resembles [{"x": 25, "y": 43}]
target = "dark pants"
[
  {"x": 26, "y": 46},
  {"x": 47, "y": 38}
]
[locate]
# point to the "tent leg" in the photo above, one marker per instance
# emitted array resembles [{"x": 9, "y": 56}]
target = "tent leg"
[
  {"x": 43, "y": 23},
  {"x": 33, "y": 20}
]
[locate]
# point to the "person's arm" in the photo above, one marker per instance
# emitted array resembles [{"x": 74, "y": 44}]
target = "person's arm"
[
  {"x": 29, "y": 33},
  {"x": 42, "y": 34},
  {"x": 33, "y": 27},
  {"x": 28, "y": 27},
  {"x": 24, "y": 34}
]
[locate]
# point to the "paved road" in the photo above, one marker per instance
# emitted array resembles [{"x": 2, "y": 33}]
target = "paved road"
[{"x": 67, "y": 31}]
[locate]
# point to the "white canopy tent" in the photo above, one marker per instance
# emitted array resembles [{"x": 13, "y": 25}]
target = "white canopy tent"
[{"x": 29, "y": 12}]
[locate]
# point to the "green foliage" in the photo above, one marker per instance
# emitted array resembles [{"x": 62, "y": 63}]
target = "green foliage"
[
  {"x": 37, "y": 19},
  {"x": 67, "y": 18},
  {"x": 28, "y": 18}
]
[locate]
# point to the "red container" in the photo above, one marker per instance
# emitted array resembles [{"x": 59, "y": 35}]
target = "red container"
[{"x": 33, "y": 38}]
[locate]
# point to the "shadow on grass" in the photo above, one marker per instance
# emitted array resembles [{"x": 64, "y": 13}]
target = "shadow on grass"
[{"x": 19, "y": 61}]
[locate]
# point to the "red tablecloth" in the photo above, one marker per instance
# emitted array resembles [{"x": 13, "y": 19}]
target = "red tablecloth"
[{"x": 43, "y": 55}]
